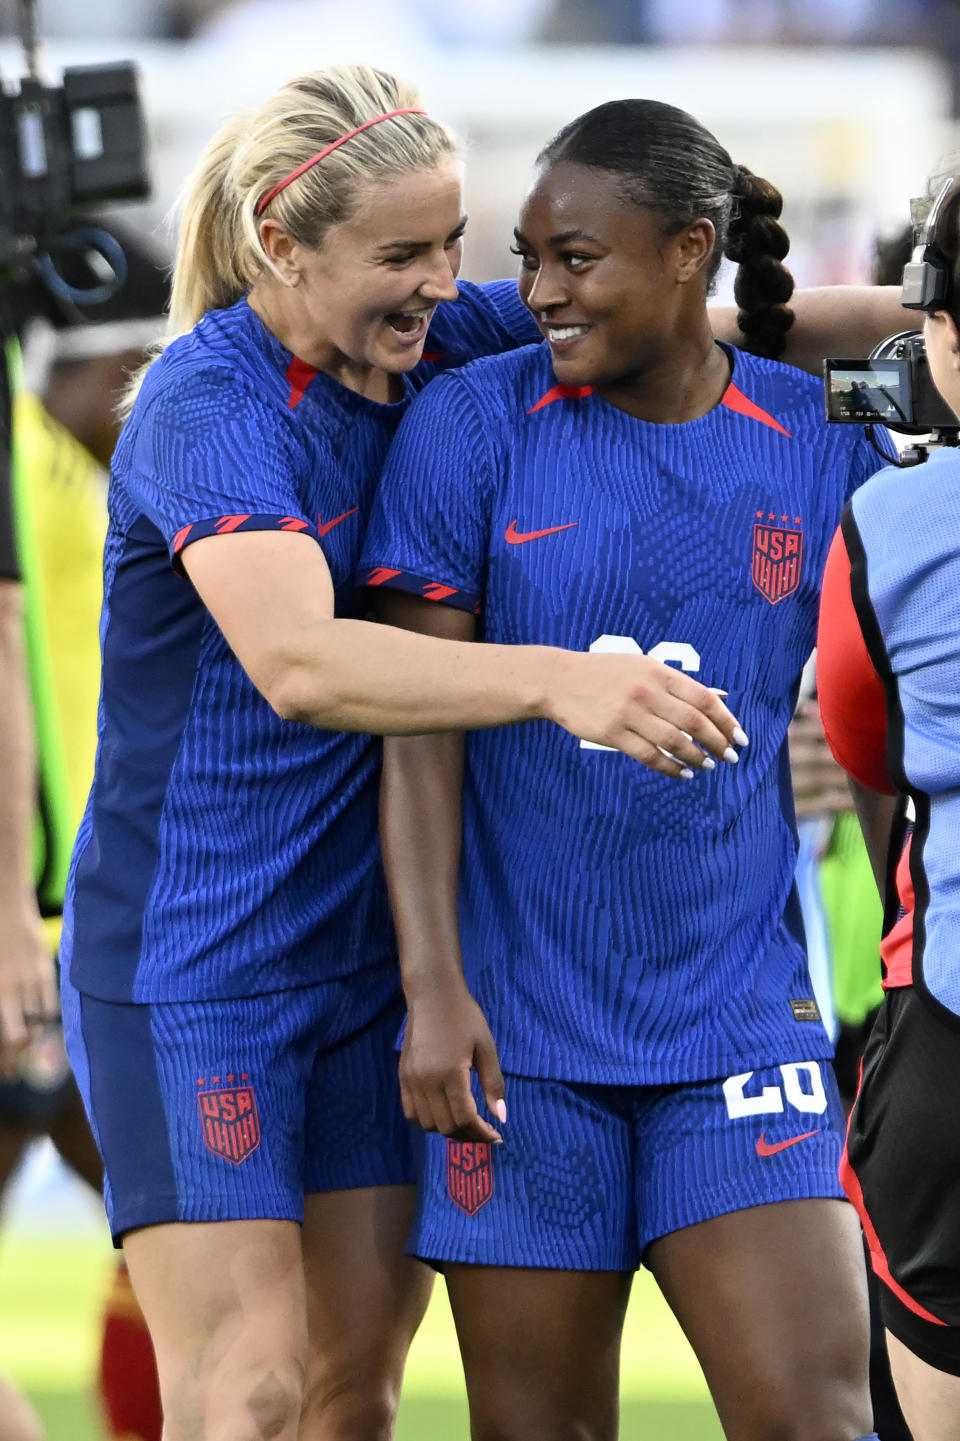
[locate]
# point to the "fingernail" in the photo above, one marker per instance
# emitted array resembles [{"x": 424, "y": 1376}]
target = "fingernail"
[
  {"x": 708, "y": 764},
  {"x": 686, "y": 774},
  {"x": 500, "y": 1111},
  {"x": 717, "y": 691},
  {"x": 731, "y": 755},
  {"x": 740, "y": 737}
]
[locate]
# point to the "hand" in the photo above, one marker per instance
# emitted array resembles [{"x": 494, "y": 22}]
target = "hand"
[
  {"x": 819, "y": 785},
  {"x": 28, "y": 983},
  {"x": 649, "y": 710},
  {"x": 446, "y": 1036}
]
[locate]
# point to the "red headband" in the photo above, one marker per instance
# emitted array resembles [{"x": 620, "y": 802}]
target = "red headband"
[{"x": 328, "y": 149}]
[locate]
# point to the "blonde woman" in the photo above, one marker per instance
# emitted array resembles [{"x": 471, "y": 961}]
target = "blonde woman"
[{"x": 231, "y": 994}]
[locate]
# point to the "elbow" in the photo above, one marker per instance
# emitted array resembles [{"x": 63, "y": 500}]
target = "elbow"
[{"x": 293, "y": 692}]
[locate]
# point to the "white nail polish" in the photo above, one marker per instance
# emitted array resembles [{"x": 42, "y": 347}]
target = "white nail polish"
[
  {"x": 731, "y": 755},
  {"x": 708, "y": 764},
  {"x": 686, "y": 774},
  {"x": 500, "y": 1111},
  {"x": 740, "y": 737}
]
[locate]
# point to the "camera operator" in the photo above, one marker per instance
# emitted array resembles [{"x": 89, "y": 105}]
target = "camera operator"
[{"x": 888, "y": 680}]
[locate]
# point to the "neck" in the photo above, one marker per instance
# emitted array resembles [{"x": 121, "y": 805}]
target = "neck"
[
  {"x": 278, "y": 310},
  {"x": 683, "y": 383}
]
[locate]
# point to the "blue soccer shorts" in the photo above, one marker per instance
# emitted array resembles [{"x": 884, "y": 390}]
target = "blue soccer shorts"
[
  {"x": 237, "y": 1109},
  {"x": 588, "y": 1176}
]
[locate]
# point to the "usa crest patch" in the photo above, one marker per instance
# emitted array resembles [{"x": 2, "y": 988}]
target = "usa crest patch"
[
  {"x": 469, "y": 1175},
  {"x": 230, "y": 1122},
  {"x": 777, "y": 560}
]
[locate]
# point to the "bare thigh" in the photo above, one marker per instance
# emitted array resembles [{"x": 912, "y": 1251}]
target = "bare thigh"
[
  {"x": 365, "y": 1300},
  {"x": 929, "y": 1399},
  {"x": 774, "y": 1302},
  {"x": 541, "y": 1350},
  {"x": 18, "y": 1420},
  {"x": 225, "y": 1304}
]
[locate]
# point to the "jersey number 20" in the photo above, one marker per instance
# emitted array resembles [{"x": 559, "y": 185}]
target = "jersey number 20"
[{"x": 802, "y": 1087}]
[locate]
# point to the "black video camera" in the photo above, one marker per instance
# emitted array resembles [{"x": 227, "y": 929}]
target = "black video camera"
[
  {"x": 63, "y": 148},
  {"x": 893, "y": 386}
]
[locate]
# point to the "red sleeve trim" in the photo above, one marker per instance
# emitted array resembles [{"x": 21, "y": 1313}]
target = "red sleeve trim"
[
  {"x": 385, "y": 575},
  {"x": 229, "y": 524}
]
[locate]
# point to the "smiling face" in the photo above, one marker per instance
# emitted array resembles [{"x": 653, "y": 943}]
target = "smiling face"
[
  {"x": 611, "y": 293},
  {"x": 365, "y": 298}
]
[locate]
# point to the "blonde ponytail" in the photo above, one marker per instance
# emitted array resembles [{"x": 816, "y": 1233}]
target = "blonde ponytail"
[
  {"x": 219, "y": 253},
  {"x": 208, "y": 272}
]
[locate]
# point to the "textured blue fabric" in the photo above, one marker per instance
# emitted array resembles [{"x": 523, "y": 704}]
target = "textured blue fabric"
[
  {"x": 588, "y": 1176},
  {"x": 618, "y": 926},
  {"x": 225, "y": 852},
  {"x": 909, "y": 587},
  {"x": 236, "y": 1111}
]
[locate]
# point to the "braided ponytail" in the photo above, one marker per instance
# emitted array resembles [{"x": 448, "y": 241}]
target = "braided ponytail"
[{"x": 757, "y": 243}]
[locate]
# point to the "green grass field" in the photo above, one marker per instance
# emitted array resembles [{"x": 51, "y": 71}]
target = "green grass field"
[{"x": 51, "y": 1287}]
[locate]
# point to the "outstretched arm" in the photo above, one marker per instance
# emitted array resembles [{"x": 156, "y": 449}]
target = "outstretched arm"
[
  {"x": 830, "y": 320},
  {"x": 272, "y": 596},
  {"x": 447, "y": 1035}
]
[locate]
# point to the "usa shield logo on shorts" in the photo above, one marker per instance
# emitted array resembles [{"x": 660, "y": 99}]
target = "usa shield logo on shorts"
[
  {"x": 469, "y": 1175},
  {"x": 777, "y": 560},
  {"x": 231, "y": 1124}
]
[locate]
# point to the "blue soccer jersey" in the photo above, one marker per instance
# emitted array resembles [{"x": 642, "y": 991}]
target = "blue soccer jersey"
[
  {"x": 225, "y": 852},
  {"x": 618, "y": 926}
]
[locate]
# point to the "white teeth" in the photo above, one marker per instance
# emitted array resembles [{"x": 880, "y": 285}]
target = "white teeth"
[
  {"x": 416, "y": 314},
  {"x": 565, "y": 332}
]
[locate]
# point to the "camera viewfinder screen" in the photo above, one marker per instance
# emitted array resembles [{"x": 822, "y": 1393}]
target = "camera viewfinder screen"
[{"x": 864, "y": 393}]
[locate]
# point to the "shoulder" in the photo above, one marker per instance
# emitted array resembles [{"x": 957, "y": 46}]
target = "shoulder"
[
  {"x": 483, "y": 320},
  {"x": 228, "y": 353},
  {"x": 793, "y": 396},
  {"x": 496, "y": 387},
  {"x": 912, "y": 502},
  {"x": 795, "y": 400}
]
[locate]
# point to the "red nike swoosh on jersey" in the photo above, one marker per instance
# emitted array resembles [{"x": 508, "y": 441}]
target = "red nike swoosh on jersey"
[
  {"x": 325, "y": 527},
  {"x": 519, "y": 537},
  {"x": 770, "y": 1148}
]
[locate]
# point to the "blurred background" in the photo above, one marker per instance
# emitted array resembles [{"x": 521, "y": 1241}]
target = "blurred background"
[{"x": 847, "y": 105}]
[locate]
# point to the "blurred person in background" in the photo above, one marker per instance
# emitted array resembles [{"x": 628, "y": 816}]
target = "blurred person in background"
[
  {"x": 64, "y": 427},
  {"x": 634, "y": 952},
  {"x": 888, "y": 677},
  {"x": 27, "y": 977}
]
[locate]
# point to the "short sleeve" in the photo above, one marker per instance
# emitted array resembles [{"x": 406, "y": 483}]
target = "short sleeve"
[
  {"x": 430, "y": 527},
  {"x": 849, "y": 689},
  {"x": 208, "y": 456}
]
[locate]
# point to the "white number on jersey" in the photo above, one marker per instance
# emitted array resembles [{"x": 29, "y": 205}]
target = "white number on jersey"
[
  {"x": 671, "y": 652},
  {"x": 802, "y": 1086}
]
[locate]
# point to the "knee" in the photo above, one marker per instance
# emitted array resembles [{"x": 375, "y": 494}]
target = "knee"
[
  {"x": 838, "y": 1413},
  {"x": 349, "y": 1411},
  {"x": 521, "y": 1423},
  {"x": 273, "y": 1405},
  {"x": 261, "y": 1403}
]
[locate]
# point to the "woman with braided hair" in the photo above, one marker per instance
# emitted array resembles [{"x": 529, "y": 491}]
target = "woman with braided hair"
[{"x": 631, "y": 953}]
